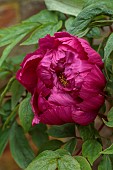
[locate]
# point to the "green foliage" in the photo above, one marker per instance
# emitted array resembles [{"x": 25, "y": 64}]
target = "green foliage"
[
  {"x": 68, "y": 163},
  {"x": 62, "y": 131},
  {"x": 109, "y": 47},
  {"x": 108, "y": 151},
  {"x": 25, "y": 114},
  {"x": 51, "y": 145},
  {"x": 17, "y": 90},
  {"x": 70, "y": 145},
  {"x": 50, "y": 160},
  {"x": 7, "y": 88},
  {"x": 84, "y": 18},
  {"x": 110, "y": 118},
  {"x": 82, "y": 23},
  {"x": 91, "y": 150},
  {"x": 84, "y": 164},
  {"x": 43, "y": 23},
  {"x": 72, "y": 7},
  {"x": 105, "y": 163},
  {"x": 39, "y": 134},
  {"x": 88, "y": 132},
  {"x": 4, "y": 136},
  {"x": 20, "y": 149}
]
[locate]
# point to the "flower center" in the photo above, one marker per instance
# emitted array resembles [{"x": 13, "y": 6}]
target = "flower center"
[{"x": 63, "y": 79}]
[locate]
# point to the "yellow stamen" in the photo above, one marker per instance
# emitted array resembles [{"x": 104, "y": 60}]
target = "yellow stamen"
[{"x": 63, "y": 79}]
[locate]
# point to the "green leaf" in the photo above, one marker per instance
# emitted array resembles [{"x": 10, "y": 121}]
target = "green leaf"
[
  {"x": 42, "y": 31},
  {"x": 68, "y": 163},
  {"x": 62, "y": 131},
  {"x": 109, "y": 47},
  {"x": 43, "y": 17},
  {"x": 109, "y": 124},
  {"x": 108, "y": 151},
  {"x": 108, "y": 3},
  {"x": 8, "y": 86},
  {"x": 17, "y": 90},
  {"x": 87, "y": 132},
  {"x": 25, "y": 114},
  {"x": 94, "y": 33},
  {"x": 91, "y": 150},
  {"x": 47, "y": 160},
  {"x": 39, "y": 134},
  {"x": 105, "y": 163},
  {"x": 71, "y": 7},
  {"x": 70, "y": 145},
  {"x": 51, "y": 145},
  {"x": 84, "y": 164},
  {"x": 61, "y": 152},
  {"x": 110, "y": 118},
  {"x": 14, "y": 32},
  {"x": 87, "y": 15},
  {"x": 4, "y": 135},
  {"x": 20, "y": 149},
  {"x": 8, "y": 49},
  {"x": 68, "y": 23}
]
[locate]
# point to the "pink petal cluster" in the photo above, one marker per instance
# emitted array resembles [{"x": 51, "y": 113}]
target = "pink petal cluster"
[{"x": 64, "y": 76}]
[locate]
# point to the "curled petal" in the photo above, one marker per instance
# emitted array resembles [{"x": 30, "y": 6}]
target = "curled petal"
[
  {"x": 92, "y": 103},
  {"x": 82, "y": 117},
  {"x": 57, "y": 115},
  {"x": 93, "y": 56},
  {"x": 27, "y": 74}
]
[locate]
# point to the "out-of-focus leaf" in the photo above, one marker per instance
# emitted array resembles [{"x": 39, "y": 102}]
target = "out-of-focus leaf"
[
  {"x": 20, "y": 149},
  {"x": 43, "y": 17},
  {"x": 94, "y": 33},
  {"x": 12, "y": 33},
  {"x": 71, "y": 7},
  {"x": 4, "y": 135},
  {"x": 8, "y": 49},
  {"x": 105, "y": 163},
  {"x": 39, "y": 134},
  {"x": 51, "y": 145},
  {"x": 6, "y": 89},
  {"x": 88, "y": 132},
  {"x": 70, "y": 145},
  {"x": 42, "y": 31},
  {"x": 62, "y": 131},
  {"x": 69, "y": 22}
]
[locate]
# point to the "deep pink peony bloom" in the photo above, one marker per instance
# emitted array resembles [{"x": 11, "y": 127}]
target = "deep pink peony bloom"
[{"x": 65, "y": 79}]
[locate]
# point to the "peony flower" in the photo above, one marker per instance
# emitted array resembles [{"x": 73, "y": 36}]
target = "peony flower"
[{"x": 64, "y": 76}]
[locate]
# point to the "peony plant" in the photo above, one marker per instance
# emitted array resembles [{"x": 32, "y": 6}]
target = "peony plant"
[
  {"x": 56, "y": 99},
  {"x": 62, "y": 74}
]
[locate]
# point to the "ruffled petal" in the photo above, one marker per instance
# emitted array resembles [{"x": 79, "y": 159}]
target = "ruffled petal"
[
  {"x": 93, "y": 84},
  {"x": 57, "y": 115},
  {"x": 92, "y": 103},
  {"x": 60, "y": 98},
  {"x": 27, "y": 74},
  {"x": 82, "y": 117},
  {"x": 93, "y": 56}
]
